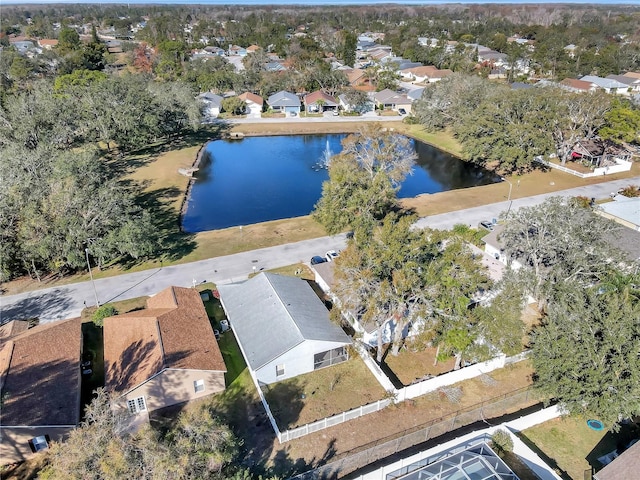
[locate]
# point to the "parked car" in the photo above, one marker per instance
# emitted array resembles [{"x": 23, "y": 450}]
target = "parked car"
[
  {"x": 486, "y": 225},
  {"x": 402, "y": 111},
  {"x": 317, "y": 259},
  {"x": 294, "y": 114},
  {"x": 336, "y": 113},
  {"x": 331, "y": 255}
]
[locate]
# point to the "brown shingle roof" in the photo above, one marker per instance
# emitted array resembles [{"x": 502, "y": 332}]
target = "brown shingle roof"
[
  {"x": 173, "y": 332},
  {"x": 13, "y": 328},
  {"x": 248, "y": 96},
  {"x": 319, "y": 95},
  {"x": 577, "y": 84},
  {"x": 42, "y": 383}
]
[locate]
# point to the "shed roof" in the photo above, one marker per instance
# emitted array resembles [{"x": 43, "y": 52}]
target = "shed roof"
[
  {"x": 41, "y": 372},
  {"x": 271, "y": 314},
  {"x": 173, "y": 332}
]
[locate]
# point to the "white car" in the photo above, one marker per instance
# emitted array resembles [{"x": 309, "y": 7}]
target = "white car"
[{"x": 331, "y": 255}]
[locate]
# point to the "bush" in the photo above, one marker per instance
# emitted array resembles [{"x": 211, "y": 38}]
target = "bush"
[
  {"x": 106, "y": 310},
  {"x": 502, "y": 441}
]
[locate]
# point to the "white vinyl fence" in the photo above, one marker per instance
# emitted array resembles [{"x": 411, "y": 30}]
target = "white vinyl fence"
[{"x": 622, "y": 166}]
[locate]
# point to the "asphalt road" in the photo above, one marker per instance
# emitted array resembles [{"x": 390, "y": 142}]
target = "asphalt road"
[{"x": 68, "y": 301}]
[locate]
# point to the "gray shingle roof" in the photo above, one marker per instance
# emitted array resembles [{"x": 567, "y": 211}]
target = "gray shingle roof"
[
  {"x": 271, "y": 314},
  {"x": 283, "y": 99}
]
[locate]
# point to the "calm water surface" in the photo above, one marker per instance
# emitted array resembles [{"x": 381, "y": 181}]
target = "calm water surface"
[{"x": 258, "y": 179}]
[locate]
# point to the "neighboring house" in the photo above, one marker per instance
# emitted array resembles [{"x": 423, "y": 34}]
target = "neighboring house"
[
  {"x": 415, "y": 94},
  {"x": 48, "y": 43},
  {"x": 275, "y": 66},
  {"x": 324, "y": 277},
  {"x": 211, "y": 104},
  {"x": 215, "y": 51},
  {"x": 163, "y": 355},
  {"x": 606, "y": 84},
  {"x": 23, "y": 46},
  {"x": 577, "y": 86},
  {"x": 495, "y": 248},
  {"x": 282, "y": 327},
  {"x": 114, "y": 46},
  {"x": 284, "y": 102},
  {"x": 624, "y": 210},
  {"x": 624, "y": 467},
  {"x": 571, "y": 50},
  {"x": 600, "y": 153},
  {"x": 39, "y": 385},
  {"x": 347, "y": 107},
  {"x": 424, "y": 74},
  {"x": 254, "y": 104},
  {"x": 253, "y": 48},
  {"x": 236, "y": 50},
  {"x": 633, "y": 84},
  {"x": 389, "y": 100},
  {"x": 319, "y": 101}
]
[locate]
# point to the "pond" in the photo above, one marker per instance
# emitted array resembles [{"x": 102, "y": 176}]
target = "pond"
[{"x": 257, "y": 179}]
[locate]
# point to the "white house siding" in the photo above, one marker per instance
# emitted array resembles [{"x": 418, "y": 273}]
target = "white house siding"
[
  {"x": 297, "y": 361},
  {"x": 254, "y": 110},
  {"x": 174, "y": 386}
]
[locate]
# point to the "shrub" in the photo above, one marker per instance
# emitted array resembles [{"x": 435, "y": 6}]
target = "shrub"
[
  {"x": 502, "y": 441},
  {"x": 630, "y": 191},
  {"x": 106, "y": 310}
]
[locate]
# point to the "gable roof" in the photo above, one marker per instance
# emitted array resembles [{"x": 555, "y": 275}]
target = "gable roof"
[
  {"x": 354, "y": 75},
  {"x": 283, "y": 99},
  {"x": 629, "y": 81},
  {"x": 211, "y": 98},
  {"x": 574, "y": 84},
  {"x": 632, "y": 74},
  {"x": 388, "y": 96},
  {"x": 40, "y": 375},
  {"x": 271, "y": 314},
  {"x": 603, "y": 82},
  {"x": 320, "y": 95},
  {"x": 172, "y": 332},
  {"x": 251, "y": 97}
]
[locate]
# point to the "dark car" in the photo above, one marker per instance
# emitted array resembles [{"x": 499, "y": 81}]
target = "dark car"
[
  {"x": 402, "y": 111},
  {"x": 317, "y": 259}
]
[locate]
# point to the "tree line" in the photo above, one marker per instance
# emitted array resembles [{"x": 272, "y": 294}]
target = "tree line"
[
  {"x": 585, "y": 347},
  {"x": 61, "y": 185},
  {"x": 509, "y": 127}
]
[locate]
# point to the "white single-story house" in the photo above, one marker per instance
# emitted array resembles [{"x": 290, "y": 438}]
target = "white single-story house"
[
  {"x": 254, "y": 104},
  {"x": 347, "y": 107},
  {"x": 282, "y": 327},
  {"x": 211, "y": 104},
  {"x": 624, "y": 210},
  {"x": 285, "y": 102}
]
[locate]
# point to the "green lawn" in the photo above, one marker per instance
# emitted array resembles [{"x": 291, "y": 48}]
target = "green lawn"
[
  {"x": 571, "y": 447},
  {"x": 232, "y": 356}
]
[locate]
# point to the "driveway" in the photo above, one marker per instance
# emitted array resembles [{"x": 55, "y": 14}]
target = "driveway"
[{"x": 68, "y": 301}]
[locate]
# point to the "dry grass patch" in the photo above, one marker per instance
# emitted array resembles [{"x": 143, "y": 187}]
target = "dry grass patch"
[
  {"x": 322, "y": 393},
  {"x": 526, "y": 185},
  {"x": 571, "y": 447},
  {"x": 407, "y": 416},
  {"x": 409, "y": 366}
]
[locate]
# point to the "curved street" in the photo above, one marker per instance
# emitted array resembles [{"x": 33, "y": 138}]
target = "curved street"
[{"x": 67, "y": 301}]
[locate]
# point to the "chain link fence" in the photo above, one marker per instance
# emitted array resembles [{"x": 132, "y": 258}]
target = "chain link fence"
[{"x": 356, "y": 459}]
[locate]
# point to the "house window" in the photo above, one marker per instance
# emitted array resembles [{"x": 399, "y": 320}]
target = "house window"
[
  {"x": 330, "y": 357},
  {"x": 279, "y": 370},
  {"x": 39, "y": 443},
  {"x": 198, "y": 386},
  {"x": 137, "y": 405}
]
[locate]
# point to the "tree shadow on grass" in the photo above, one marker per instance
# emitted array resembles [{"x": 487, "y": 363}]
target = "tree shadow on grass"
[
  {"x": 126, "y": 162},
  {"x": 545, "y": 458},
  {"x": 173, "y": 243}
]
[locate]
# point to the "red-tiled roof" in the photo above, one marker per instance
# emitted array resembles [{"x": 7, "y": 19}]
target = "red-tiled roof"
[{"x": 577, "y": 84}]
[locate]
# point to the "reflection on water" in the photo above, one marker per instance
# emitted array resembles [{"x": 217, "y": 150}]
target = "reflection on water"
[{"x": 257, "y": 179}]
